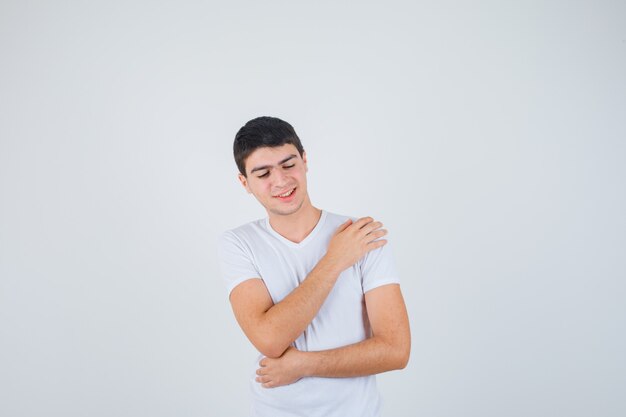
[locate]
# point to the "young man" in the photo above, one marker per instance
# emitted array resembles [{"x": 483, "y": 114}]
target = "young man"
[{"x": 316, "y": 293}]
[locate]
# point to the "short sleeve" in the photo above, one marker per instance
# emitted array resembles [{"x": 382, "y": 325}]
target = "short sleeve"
[
  {"x": 236, "y": 263},
  {"x": 378, "y": 268}
]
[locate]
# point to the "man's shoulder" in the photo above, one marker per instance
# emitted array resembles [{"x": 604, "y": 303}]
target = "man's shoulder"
[
  {"x": 337, "y": 219},
  {"x": 244, "y": 232}
]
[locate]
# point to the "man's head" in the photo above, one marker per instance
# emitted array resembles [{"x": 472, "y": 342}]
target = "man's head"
[
  {"x": 263, "y": 132},
  {"x": 272, "y": 165}
]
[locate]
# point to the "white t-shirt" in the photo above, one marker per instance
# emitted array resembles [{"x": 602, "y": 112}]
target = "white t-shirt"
[{"x": 255, "y": 250}]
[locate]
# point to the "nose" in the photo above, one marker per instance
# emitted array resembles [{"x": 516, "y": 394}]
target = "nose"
[{"x": 279, "y": 178}]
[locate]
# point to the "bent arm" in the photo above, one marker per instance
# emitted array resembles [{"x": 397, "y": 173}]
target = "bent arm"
[
  {"x": 273, "y": 327},
  {"x": 388, "y": 348}
]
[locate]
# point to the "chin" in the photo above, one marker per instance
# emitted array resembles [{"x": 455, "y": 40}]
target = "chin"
[{"x": 286, "y": 211}]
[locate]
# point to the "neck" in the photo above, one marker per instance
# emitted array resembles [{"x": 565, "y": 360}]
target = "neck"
[{"x": 296, "y": 226}]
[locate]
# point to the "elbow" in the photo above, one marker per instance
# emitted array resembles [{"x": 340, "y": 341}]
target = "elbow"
[
  {"x": 270, "y": 348},
  {"x": 403, "y": 355},
  {"x": 403, "y": 360},
  {"x": 269, "y": 341},
  {"x": 272, "y": 352},
  {"x": 397, "y": 355}
]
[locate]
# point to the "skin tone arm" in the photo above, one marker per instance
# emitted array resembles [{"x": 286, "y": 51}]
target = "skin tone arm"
[
  {"x": 387, "y": 349},
  {"x": 273, "y": 327}
]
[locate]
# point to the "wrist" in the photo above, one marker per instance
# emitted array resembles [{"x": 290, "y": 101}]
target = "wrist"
[
  {"x": 330, "y": 266},
  {"x": 307, "y": 364}
]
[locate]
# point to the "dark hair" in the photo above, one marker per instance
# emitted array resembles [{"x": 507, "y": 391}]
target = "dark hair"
[{"x": 263, "y": 132}]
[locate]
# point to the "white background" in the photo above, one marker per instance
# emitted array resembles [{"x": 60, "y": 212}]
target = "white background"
[{"x": 488, "y": 136}]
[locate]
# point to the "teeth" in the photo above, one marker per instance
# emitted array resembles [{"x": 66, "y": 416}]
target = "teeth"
[{"x": 287, "y": 194}]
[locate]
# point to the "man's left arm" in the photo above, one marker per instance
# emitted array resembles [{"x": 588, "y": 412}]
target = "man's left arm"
[{"x": 387, "y": 349}]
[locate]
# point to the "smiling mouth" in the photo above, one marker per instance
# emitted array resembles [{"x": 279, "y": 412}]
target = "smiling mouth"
[{"x": 285, "y": 195}]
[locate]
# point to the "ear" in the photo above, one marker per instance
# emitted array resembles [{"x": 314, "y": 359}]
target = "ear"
[
  {"x": 306, "y": 167},
  {"x": 244, "y": 181}
]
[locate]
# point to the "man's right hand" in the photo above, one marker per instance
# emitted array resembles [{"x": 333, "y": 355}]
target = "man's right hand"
[{"x": 352, "y": 240}]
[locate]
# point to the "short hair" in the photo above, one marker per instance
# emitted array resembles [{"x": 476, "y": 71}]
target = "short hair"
[{"x": 263, "y": 132}]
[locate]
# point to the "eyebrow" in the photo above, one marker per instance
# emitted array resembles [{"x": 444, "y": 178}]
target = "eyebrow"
[{"x": 269, "y": 166}]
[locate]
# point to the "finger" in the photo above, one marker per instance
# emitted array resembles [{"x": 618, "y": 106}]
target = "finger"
[
  {"x": 376, "y": 244},
  {"x": 268, "y": 385},
  {"x": 370, "y": 227},
  {"x": 260, "y": 371},
  {"x": 343, "y": 226},
  {"x": 262, "y": 379},
  {"x": 370, "y": 237},
  {"x": 263, "y": 362},
  {"x": 362, "y": 222}
]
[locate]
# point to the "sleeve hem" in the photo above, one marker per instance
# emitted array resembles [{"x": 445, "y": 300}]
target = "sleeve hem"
[
  {"x": 380, "y": 283},
  {"x": 232, "y": 284}
]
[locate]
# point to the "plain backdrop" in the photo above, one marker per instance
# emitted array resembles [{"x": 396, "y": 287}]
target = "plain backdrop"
[{"x": 488, "y": 136}]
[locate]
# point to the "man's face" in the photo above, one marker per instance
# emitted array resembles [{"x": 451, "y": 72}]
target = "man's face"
[{"x": 277, "y": 178}]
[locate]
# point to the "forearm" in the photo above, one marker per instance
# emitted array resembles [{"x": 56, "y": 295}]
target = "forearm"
[
  {"x": 388, "y": 349},
  {"x": 371, "y": 356},
  {"x": 272, "y": 327},
  {"x": 286, "y": 320}
]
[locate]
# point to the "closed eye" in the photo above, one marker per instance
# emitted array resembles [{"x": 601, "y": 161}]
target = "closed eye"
[{"x": 268, "y": 173}]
